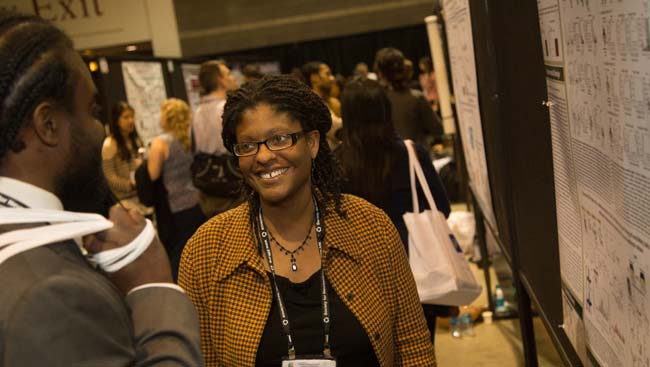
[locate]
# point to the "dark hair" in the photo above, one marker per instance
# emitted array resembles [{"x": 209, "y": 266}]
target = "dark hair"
[
  {"x": 32, "y": 68},
  {"x": 287, "y": 94},
  {"x": 309, "y": 69},
  {"x": 209, "y": 74},
  {"x": 390, "y": 63},
  {"x": 369, "y": 139},
  {"x": 252, "y": 71},
  {"x": 426, "y": 61},
  {"x": 114, "y": 127}
]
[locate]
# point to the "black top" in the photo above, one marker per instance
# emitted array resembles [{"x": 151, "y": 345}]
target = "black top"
[
  {"x": 349, "y": 342},
  {"x": 413, "y": 116}
]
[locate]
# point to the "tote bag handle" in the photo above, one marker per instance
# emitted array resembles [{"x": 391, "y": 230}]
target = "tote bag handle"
[{"x": 416, "y": 169}]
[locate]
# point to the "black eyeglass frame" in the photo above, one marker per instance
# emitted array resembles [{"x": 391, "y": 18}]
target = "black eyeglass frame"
[{"x": 294, "y": 139}]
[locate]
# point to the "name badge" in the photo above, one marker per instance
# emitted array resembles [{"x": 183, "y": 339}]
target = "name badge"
[{"x": 309, "y": 362}]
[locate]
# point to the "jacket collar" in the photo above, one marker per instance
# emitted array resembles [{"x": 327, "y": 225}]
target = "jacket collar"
[
  {"x": 21, "y": 194},
  {"x": 243, "y": 247}
]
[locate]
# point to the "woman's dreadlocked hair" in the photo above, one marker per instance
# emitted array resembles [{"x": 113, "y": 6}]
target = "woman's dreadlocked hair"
[
  {"x": 287, "y": 94},
  {"x": 32, "y": 69}
]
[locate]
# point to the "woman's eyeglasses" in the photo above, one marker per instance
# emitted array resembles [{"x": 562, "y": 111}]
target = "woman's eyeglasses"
[{"x": 276, "y": 142}]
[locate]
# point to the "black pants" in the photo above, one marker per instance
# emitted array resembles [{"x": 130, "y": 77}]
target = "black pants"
[{"x": 186, "y": 222}]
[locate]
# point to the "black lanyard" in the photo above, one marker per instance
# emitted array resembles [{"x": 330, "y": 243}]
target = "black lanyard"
[{"x": 320, "y": 232}]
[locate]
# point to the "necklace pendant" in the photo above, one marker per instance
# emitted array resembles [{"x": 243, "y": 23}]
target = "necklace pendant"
[{"x": 294, "y": 267}]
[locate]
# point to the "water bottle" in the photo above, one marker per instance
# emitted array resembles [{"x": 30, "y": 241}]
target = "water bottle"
[
  {"x": 467, "y": 325},
  {"x": 454, "y": 325},
  {"x": 500, "y": 301}
]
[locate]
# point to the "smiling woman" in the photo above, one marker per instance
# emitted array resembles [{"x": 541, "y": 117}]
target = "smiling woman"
[{"x": 299, "y": 270}]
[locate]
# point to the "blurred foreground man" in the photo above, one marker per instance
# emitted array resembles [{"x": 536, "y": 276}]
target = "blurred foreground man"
[{"x": 57, "y": 309}]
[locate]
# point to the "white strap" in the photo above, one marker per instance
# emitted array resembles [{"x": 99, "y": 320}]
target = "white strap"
[
  {"x": 53, "y": 232},
  {"x": 416, "y": 169},
  {"x": 32, "y": 239},
  {"x": 68, "y": 225},
  {"x": 117, "y": 258},
  {"x": 27, "y": 215}
]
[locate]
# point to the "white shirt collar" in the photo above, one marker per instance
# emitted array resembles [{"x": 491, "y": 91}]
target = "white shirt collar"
[{"x": 29, "y": 195}]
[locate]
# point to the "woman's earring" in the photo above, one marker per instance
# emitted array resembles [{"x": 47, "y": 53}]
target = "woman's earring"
[{"x": 313, "y": 171}]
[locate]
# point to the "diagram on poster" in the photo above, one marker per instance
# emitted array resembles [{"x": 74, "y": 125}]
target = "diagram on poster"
[
  {"x": 463, "y": 72},
  {"x": 145, "y": 91},
  {"x": 598, "y": 80}
]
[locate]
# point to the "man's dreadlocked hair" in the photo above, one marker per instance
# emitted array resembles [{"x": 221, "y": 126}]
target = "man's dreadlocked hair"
[
  {"x": 287, "y": 94},
  {"x": 32, "y": 69}
]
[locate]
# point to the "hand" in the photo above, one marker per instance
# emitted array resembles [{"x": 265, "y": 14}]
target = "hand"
[{"x": 151, "y": 267}]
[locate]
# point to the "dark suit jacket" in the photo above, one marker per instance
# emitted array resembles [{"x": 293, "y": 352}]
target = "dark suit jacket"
[{"x": 57, "y": 310}]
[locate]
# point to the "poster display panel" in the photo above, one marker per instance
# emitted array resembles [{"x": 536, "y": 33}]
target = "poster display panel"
[
  {"x": 145, "y": 90},
  {"x": 597, "y": 56},
  {"x": 463, "y": 72},
  {"x": 192, "y": 85}
]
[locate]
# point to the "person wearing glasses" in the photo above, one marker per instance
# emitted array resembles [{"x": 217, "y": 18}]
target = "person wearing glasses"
[{"x": 299, "y": 272}]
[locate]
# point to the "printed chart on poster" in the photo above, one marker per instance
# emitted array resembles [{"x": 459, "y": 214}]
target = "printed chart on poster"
[
  {"x": 145, "y": 91},
  {"x": 597, "y": 56},
  {"x": 192, "y": 85},
  {"x": 463, "y": 72}
]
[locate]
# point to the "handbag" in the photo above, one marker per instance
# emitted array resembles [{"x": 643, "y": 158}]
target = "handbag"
[
  {"x": 216, "y": 174},
  {"x": 441, "y": 272}
]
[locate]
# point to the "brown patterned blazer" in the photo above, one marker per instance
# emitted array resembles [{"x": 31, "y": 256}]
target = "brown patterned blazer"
[{"x": 222, "y": 272}]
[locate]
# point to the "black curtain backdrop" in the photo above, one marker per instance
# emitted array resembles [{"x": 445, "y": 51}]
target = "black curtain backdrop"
[{"x": 341, "y": 53}]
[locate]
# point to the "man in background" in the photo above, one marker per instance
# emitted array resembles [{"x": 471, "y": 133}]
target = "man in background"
[
  {"x": 215, "y": 81},
  {"x": 319, "y": 77},
  {"x": 57, "y": 309}
]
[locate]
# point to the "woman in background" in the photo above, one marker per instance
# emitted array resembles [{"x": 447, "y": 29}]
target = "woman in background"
[
  {"x": 170, "y": 157},
  {"x": 375, "y": 163},
  {"x": 120, "y": 156},
  {"x": 412, "y": 115}
]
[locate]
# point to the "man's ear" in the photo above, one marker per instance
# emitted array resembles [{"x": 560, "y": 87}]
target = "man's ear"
[{"x": 47, "y": 123}]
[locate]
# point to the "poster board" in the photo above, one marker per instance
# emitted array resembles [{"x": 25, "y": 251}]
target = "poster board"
[
  {"x": 460, "y": 44},
  {"x": 517, "y": 138},
  {"x": 192, "y": 85},
  {"x": 145, "y": 90},
  {"x": 597, "y": 58}
]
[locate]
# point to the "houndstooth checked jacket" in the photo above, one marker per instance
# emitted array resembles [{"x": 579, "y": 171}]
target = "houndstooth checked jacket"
[{"x": 223, "y": 274}]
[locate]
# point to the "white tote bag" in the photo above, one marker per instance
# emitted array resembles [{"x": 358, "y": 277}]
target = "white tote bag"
[{"x": 441, "y": 272}]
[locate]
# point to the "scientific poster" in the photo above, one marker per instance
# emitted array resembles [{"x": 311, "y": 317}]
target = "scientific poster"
[
  {"x": 145, "y": 91},
  {"x": 192, "y": 85},
  {"x": 463, "y": 73},
  {"x": 598, "y": 78}
]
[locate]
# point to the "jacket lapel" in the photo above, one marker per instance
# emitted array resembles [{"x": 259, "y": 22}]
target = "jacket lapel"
[{"x": 353, "y": 278}]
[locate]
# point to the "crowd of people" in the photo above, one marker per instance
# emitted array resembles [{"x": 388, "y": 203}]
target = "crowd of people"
[{"x": 307, "y": 258}]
